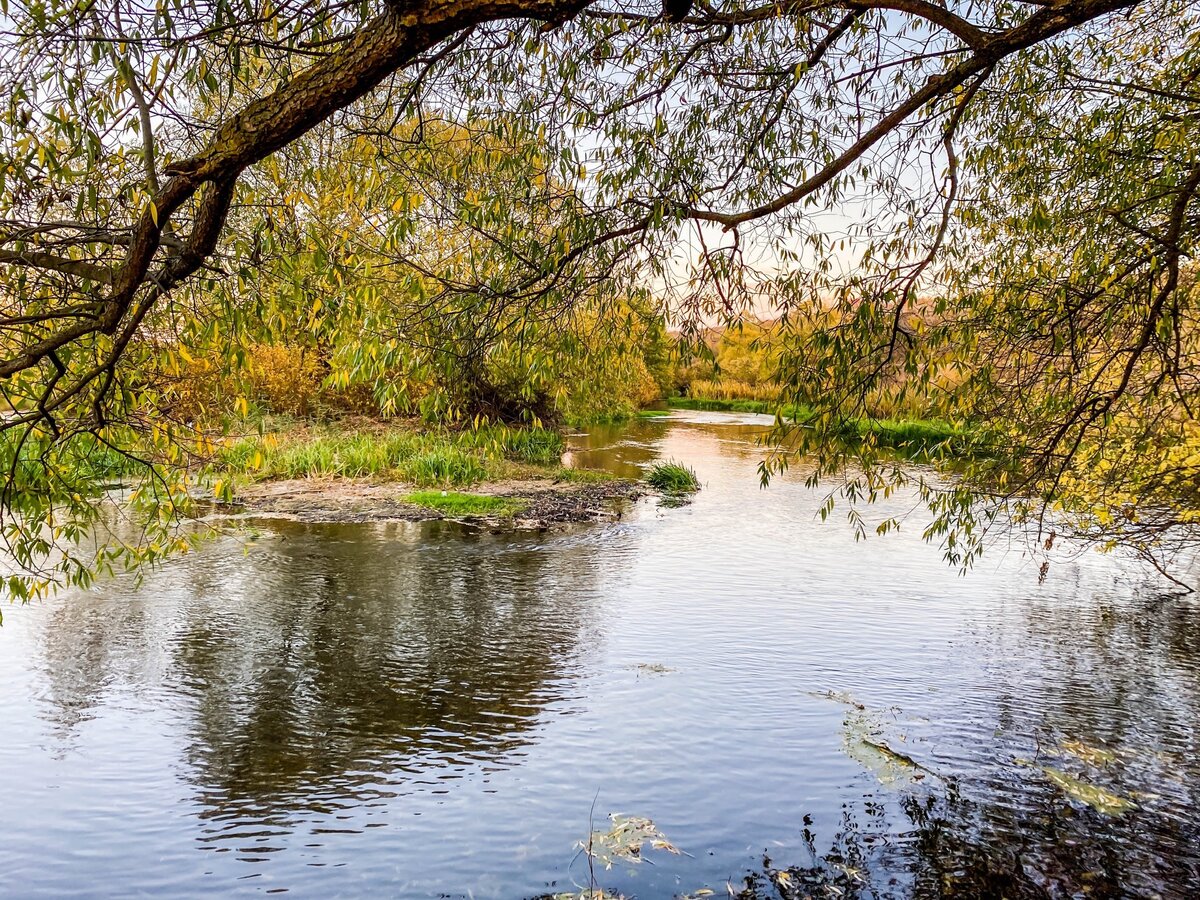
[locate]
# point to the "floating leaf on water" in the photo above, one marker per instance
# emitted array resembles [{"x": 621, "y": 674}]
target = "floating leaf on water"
[
  {"x": 1094, "y": 756},
  {"x": 703, "y": 892},
  {"x": 1096, "y": 797},
  {"x": 625, "y": 839}
]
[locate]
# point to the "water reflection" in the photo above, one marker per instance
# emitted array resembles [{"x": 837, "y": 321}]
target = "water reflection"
[
  {"x": 625, "y": 449},
  {"x": 628, "y": 448},
  {"x": 431, "y": 711},
  {"x": 332, "y": 664}
]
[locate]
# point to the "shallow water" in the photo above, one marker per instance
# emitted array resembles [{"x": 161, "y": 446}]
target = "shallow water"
[{"x": 424, "y": 710}]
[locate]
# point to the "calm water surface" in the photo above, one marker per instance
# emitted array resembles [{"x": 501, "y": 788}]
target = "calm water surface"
[{"x": 424, "y": 710}]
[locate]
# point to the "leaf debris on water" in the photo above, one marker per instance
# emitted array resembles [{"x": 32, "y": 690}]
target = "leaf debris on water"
[
  {"x": 863, "y": 743},
  {"x": 1099, "y": 799},
  {"x": 625, "y": 840}
]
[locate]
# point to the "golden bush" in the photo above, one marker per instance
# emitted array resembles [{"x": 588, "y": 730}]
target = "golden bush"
[{"x": 284, "y": 379}]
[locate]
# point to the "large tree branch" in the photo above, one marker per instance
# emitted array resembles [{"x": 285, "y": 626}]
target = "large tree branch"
[
  {"x": 1041, "y": 26},
  {"x": 76, "y": 268},
  {"x": 266, "y": 125}
]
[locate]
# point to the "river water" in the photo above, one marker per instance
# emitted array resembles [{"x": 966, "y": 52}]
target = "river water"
[{"x": 424, "y": 710}]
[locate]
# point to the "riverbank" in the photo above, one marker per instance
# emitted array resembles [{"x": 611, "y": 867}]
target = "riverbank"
[
  {"x": 363, "y": 471},
  {"x": 518, "y": 505},
  {"x": 899, "y": 434}
]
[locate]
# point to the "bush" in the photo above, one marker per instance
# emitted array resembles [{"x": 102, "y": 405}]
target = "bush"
[{"x": 284, "y": 379}]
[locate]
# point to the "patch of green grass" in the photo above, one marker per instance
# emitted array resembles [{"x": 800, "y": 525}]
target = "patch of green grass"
[
  {"x": 673, "y": 478},
  {"x": 653, "y": 413},
  {"x": 765, "y": 407},
  {"x": 456, "y": 504},
  {"x": 910, "y": 435}
]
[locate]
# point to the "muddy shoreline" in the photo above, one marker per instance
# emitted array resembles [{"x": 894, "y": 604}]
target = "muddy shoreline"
[{"x": 348, "y": 500}]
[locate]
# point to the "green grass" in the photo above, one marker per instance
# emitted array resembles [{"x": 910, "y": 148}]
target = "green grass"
[
  {"x": 911, "y": 435},
  {"x": 743, "y": 406},
  {"x": 444, "y": 465},
  {"x": 437, "y": 458},
  {"x": 673, "y": 478},
  {"x": 455, "y": 504},
  {"x": 531, "y": 445},
  {"x": 600, "y": 417},
  {"x": 83, "y": 461},
  {"x": 653, "y": 413}
]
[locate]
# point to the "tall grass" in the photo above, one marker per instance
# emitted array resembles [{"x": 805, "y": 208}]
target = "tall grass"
[
  {"x": 445, "y": 465},
  {"x": 531, "y": 445},
  {"x": 427, "y": 459},
  {"x": 732, "y": 389}
]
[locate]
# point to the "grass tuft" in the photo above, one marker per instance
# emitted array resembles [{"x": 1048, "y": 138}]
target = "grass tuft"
[
  {"x": 445, "y": 466},
  {"x": 673, "y": 478}
]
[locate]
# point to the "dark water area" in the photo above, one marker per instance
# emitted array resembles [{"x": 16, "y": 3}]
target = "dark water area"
[{"x": 427, "y": 710}]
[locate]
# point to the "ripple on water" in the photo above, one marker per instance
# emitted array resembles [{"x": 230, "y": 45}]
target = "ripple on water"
[{"x": 428, "y": 711}]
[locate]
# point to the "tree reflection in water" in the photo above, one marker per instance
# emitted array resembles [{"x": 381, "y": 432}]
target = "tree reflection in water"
[
  {"x": 950, "y": 847},
  {"x": 337, "y": 668}
]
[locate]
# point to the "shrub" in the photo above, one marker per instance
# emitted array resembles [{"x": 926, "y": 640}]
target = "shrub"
[{"x": 284, "y": 379}]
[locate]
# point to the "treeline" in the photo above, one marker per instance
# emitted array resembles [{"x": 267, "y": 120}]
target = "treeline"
[
  {"x": 604, "y": 370},
  {"x": 761, "y": 364}
]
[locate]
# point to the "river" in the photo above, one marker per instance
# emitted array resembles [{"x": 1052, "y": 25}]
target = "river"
[{"x": 427, "y": 710}]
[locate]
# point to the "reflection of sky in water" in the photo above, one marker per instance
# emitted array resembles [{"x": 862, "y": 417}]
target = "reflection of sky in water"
[{"x": 409, "y": 709}]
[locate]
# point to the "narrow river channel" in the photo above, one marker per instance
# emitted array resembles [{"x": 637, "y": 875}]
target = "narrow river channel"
[{"x": 424, "y": 710}]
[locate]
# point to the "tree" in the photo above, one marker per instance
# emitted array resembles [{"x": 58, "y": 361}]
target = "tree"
[{"x": 719, "y": 153}]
